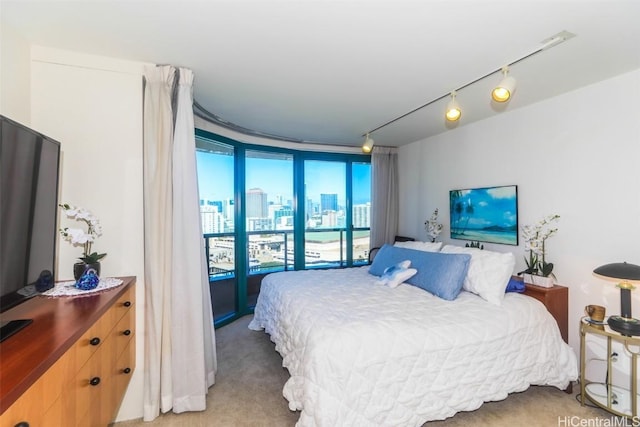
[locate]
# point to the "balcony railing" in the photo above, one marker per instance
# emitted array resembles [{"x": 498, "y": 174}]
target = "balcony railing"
[{"x": 273, "y": 250}]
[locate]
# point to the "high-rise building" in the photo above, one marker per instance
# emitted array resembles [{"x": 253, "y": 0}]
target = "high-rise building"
[
  {"x": 257, "y": 203},
  {"x": 328, "y": 202},
  {"x": 216, "y": 203},
  {"x": 361, "y": 215},
  {"x": 212, "y": 220},
  {"x": 228, "y": 209},
  {"x": 309, "y": 212},
  {"x": 283, "y": 218},
  {"x": 329, "y": 219}
]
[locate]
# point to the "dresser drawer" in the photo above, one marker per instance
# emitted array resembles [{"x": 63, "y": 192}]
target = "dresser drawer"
[
  {"x": 28, "y": 408},
  {"x": 123, "y": 332},
  {"x": 124, "y": 368}
]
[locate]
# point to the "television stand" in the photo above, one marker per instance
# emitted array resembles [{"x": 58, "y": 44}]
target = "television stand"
[{"x": 10, "y": 327}]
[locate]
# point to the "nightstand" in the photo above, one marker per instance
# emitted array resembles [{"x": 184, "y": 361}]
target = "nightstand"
[
  {"x": 605, "y": 395},
  {"x": 556, "y": 299}
]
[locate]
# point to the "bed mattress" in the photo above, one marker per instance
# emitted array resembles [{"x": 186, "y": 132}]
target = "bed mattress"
[{"x": 363, "y": 354}]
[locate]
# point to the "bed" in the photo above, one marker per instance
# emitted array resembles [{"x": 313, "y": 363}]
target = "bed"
[{"x": 362, "y": 353}]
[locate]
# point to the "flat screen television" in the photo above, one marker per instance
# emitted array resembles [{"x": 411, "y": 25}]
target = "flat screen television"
[{"x": 29, "y": 166}]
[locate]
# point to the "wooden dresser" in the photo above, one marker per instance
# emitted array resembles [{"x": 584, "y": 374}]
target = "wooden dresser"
[{"x": 72, "y": 365}]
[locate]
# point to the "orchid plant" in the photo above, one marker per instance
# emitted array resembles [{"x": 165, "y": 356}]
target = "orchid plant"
[
  {"x": 433, "y": 228},
  {"x": 534, "y": 237},
  {"x": 79, "y": 237}
]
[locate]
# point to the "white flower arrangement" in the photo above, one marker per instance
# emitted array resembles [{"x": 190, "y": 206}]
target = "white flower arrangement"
[
  {"x": 78, "y": 237},
  {"x": 534, "y": 242},
  {"x": 433, "y": 228}
]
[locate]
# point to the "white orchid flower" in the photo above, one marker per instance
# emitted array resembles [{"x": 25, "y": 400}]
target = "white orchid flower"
[{"x": 77, "y": 236}]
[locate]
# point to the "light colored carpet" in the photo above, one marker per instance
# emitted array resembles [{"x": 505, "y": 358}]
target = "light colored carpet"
[{"x": 248, "y": 392}]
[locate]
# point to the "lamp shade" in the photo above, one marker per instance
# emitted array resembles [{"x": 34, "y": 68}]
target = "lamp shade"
[
  {"x": 619, "y": 271},
  {"x": 625, "y": 274}
]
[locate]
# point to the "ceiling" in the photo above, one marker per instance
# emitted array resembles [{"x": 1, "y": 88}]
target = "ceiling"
[{"x": 329, "y": 71}]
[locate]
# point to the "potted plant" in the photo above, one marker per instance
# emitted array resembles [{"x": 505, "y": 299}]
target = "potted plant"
[
  {"x": 539, "y": 271},
  {"x": 78, "y": 237}
]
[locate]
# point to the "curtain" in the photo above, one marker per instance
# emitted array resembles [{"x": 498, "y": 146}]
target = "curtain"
[
  {"x": 384, "y": 196},
  {"x": 180, "y": 359}
]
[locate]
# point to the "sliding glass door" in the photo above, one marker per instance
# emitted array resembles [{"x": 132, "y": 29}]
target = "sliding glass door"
[{"x": 269, "y": 216}]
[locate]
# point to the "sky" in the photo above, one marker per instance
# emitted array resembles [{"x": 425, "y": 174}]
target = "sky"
[{"x": 275, "y": 177}]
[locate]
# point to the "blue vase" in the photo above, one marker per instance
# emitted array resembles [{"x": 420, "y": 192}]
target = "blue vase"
[{"x": 89, "y": 280}]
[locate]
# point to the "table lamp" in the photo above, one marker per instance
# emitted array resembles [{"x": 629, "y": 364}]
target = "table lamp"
[{"x": 626, "y": 275}]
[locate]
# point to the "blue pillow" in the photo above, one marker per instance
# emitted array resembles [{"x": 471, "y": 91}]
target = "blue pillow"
[
  {"x": 515, "y": 285},
  {"x": 439, "y": 273}
]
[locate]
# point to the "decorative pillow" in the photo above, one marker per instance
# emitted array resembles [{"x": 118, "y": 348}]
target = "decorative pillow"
[
  {"x": 489, "y": 272},
  {"x": 420, "y": 246},
  {"x": 397, "y": 274},
  {"x": 385, "y": 258},
  {"x": 515, "y": 285},
  {"x": 438, "y": 273}
]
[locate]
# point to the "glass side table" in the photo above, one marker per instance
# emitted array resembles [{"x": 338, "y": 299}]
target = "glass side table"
[{"x": 617, "y": 400}]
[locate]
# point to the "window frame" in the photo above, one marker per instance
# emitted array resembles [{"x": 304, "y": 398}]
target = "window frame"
[{"x": 299, "y": 229}]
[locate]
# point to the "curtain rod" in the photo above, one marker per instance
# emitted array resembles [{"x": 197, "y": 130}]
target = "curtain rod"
[{"x": 203, "y": 113}]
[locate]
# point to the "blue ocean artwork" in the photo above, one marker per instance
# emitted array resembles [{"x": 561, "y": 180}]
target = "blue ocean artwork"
[{"x": 485, "y": 214}]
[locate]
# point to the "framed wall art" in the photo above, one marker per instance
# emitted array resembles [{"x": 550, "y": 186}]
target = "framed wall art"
[{"x": 487, "y": 214}]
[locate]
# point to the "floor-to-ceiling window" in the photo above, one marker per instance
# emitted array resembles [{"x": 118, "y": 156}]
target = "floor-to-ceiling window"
[
  {"x": 216, "y": 184},
  {"x": 268, "y": 216},
  {"x": 325, "y": 213},
  {"x": 267, "y": 209}
]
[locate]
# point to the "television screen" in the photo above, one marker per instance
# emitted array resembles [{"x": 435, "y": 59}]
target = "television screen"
[
  {"x": 29, "y": 164},
  {"x": 487, "y": 214}
]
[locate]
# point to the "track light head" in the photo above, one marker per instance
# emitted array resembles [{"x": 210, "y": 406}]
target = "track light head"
[
  {"x": 453, "y": 111},
  {"x": 368, "y": 144},
  {"x": 504, "y": 90}
]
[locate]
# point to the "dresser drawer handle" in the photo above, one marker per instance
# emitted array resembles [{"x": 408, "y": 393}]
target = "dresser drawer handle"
[
  {"x": 127, "y": 304},
  {"x": 22, "y": 424},
  {"x": 127, "y": 332},
  {"x": 126, "y": 370},
  {"x": 94, "y": 341},
  {"x": 94, "y": 381}
]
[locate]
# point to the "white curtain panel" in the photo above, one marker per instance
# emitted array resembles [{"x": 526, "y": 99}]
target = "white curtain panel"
[
  {"x": 193, "y": 340},
  {"x": 384, "y": 196},
  {"x": 158, "y": 235},
  {"x": 180, "y": 356}
]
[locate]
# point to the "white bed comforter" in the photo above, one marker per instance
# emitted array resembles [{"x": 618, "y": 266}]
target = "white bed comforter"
[{"x": 362, "y": 354}]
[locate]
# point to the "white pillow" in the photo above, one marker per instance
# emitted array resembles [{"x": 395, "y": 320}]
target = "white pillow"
[
  {"x": 489, "y": 272},
  {"x": 397, "y": 274},
  {"x": 420, "y": 246}
]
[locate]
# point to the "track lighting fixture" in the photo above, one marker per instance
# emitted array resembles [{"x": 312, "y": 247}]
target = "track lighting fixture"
[
  {"x": 453, "y": 111},
  {"x": 501, "y": 93},
  {"x": 504, "y": 90},
  {"x": 368, "y": 144}
]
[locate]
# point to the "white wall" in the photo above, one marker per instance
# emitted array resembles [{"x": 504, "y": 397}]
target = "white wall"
[
  {"x": 575, "y": 155},
  {"x": 93, "y": 106},
  {"x": 15, "y": 75}
]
